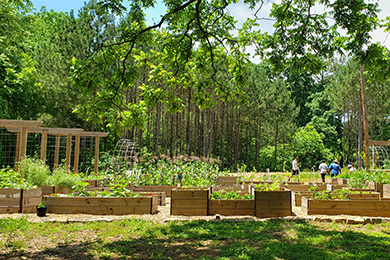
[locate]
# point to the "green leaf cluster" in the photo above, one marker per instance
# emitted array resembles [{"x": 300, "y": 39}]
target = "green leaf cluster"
[{"x": 230, "y": 195}]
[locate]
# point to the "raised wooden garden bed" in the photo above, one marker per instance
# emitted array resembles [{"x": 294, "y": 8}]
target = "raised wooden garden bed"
[
  {"x": 290, "y": 184},
  {"x": 101, "y": 206},
  {"x": 48, "y": 190},
  {"x": 92, "y": 183},
  {"x": 341, "y": 181},
  {"x": 365, "y": 196},
  {"x": 332, "y": 187},
  {"x": 371, "y": 208},
  {"x": 296, "y": 197},
  {"x": 189, "y": 201},
  {"x": 272, "y": 203},
  {"x": 254, "y": 182},
  {"x": 386, "y": 191},
  {"x": 99, "y": 189},
  {"x": 377, "y": 186},
  {"x": 19, "y": 200},
  {"x": 303, "y": 187},
  {"x": 227, "y": 180},
  {"x": 231, "y": 207},
  {"x": 97, "y": 182},
  {"x": 160, "y": 197},
  {"x": 155, "y": 188},
  {"x": 331, "y": 180},
  {"x": 363, "y": 190}
]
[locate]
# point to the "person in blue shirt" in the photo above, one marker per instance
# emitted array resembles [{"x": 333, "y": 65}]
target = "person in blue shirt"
[{"x": 334, "y": 168}]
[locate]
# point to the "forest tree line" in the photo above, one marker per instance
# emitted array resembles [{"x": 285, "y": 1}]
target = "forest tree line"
[{"x": 175, "y": 94}]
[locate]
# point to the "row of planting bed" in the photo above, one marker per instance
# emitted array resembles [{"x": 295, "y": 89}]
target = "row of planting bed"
[{"x": 197, "y": 202}]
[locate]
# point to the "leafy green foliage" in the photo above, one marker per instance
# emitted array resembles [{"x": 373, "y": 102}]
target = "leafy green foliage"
[
  {"x": 230, "y": 195},
  {"x": 34, "y": 171},
  {"x": 11, "y": 179},
  {"x": 359, "y": 178},
  {"x": 195, "y": 173},
  {"x": 308, "y": 146},
  {"x": 267, "y": 187},
  {"x": 62, "y": 176},
  {"x": 339, "y": 194}
]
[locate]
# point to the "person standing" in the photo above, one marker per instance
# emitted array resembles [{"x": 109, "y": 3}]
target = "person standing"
[
  {"x": 334, "y": 168},
  {"x": 295, "y": 169},
  {"x": 323, "y": 169}
]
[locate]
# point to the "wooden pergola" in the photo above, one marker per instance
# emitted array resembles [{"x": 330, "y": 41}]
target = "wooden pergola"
[{"x": 23, "y": 127}]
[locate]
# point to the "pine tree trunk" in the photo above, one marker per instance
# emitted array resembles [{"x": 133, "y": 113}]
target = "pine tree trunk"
[
  {"x": 276, "y": 141},
  {"x": 157, "y": 132}
]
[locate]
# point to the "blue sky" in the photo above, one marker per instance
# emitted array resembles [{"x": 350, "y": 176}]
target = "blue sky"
[{"x": 152, "y": 14}]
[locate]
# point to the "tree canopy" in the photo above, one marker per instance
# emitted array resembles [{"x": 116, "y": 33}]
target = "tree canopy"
[{"x": 186, "y": 84}]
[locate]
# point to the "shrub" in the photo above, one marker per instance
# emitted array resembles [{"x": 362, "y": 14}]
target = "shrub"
[
  {"x": 62, "y": 176},
  {"x": 34, "y": 171}
]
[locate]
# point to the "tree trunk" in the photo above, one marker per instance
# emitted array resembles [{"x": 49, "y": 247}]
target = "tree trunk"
[
  {"x": 276, "y": 140},
  {"x": 188, "y": 131},
  {"x": 157, "y": 132},
  {"x": 365, "y": 123},
  {"x": 237, "y": 138}
]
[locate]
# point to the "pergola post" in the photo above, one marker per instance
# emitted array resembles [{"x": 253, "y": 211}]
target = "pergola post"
[
  {"x": 68, "y": 149},
  {"x": 97, "y": 136},
  {"x": 97, "y": 141},
  {"x": 17, "y": 148},
  {"x": 21, "y": 142},
  {"x": 76, "y": 154},
  {"x": 43, "y": 146}
]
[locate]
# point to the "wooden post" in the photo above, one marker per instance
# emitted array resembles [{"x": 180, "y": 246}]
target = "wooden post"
[
  {"x": 76, "y": 154},
  {"x": 373, "y": 156},
  {"x": 23, "y": 143},
  {"x": 57, "y": 150},
  {"x": 17, "y": 148},
  {"x": 97, "y": 140},
  {"x": 365, "y": 126},
  {"x": 68, "y": 149},
  {"x": 43, "y": 146}
]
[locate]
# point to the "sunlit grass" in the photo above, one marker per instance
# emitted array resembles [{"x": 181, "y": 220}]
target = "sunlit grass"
[{"x": 272, "y": 239}]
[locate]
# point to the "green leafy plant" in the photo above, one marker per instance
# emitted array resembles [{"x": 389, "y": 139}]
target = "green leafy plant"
[
  {"x": 230, "y": 195},
  {"x": 267, "y": 187},
  {"x": 340, "y": 194},
  {"x": 34, "y": 171},
  {"x": 11, "y": 179},
  {"x": 62, "y": 176},
  {"x": 79, "y": 189},
  {"x": 41, "y": 205}
]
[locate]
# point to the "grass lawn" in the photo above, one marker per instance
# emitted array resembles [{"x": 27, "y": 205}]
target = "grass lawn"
[{"x": 138, "y": 239}]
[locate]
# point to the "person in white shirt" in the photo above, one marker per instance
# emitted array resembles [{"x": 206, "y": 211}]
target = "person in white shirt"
[
  {"x": 323, "y": 169},
  {"x": 351, "y": 168},
  {"x": 295, "y": 169}
]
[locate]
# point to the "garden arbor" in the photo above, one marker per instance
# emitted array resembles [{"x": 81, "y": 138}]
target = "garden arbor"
[
  {"x": 374, "y": 150},
  {"x": 23, "y": 127}
]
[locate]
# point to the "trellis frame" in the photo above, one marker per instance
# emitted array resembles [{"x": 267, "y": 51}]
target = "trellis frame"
[
  {"x": 23, "y": 127},
  {"x": 373, "y": 144}
]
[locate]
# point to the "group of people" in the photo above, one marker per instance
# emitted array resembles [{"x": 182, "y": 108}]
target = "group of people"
[{"x": 334, "y": 169}]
